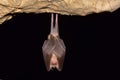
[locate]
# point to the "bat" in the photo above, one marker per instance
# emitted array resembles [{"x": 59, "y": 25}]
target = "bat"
[{"x": 54, "y": 48}]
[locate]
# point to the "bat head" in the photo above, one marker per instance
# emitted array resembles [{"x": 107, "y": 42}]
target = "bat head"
[{"x": 54, "y": 62}]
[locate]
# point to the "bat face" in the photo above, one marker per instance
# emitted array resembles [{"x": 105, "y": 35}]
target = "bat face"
[
  {"x": 54, "y": 62},
  {"x": 53, "y": 53}
]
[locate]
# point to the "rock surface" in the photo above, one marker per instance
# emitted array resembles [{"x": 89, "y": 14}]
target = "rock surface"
[{"x": 65, "y": 7}]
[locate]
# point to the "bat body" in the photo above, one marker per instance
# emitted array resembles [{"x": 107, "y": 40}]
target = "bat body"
[{"x": 54, "y": 48}]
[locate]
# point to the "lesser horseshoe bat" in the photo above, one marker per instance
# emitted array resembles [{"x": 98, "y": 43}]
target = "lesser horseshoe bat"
[{"x": 54, "y": 48}]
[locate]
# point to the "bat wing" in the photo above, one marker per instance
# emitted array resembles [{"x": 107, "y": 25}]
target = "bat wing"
[
  {"x": 60, "y": 52},
  {"x": 47, "y": 48}
]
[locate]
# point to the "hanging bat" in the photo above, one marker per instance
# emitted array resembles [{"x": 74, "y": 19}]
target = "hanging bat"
[{"x": 54, "y": 48}]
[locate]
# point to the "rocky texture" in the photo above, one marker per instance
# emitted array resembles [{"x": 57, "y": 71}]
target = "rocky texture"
[{"x": 66, "y": 7}]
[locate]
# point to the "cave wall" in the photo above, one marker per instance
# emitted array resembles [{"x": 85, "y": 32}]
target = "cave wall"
[{"x": 64, "y": 7}]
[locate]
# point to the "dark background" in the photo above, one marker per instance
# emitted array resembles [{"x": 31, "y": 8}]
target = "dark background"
[{"x": 22, "y": 37}]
